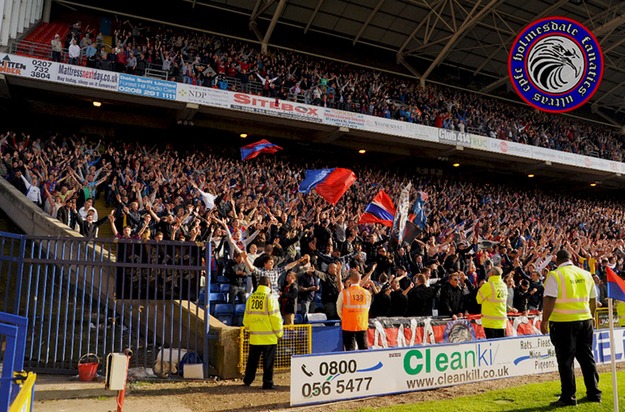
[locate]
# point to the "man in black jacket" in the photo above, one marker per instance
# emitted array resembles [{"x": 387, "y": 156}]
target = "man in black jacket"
[
  {"x": 536, "y": 290},
  {"x": 420, "y": 299},
  {"x": 237, "y": 273},
  {"x": 87, "y": 227},
  {"x": 288, "y": 299},
  {"x": 451, "y": 301},
  {"x": 521, "y": 296}
]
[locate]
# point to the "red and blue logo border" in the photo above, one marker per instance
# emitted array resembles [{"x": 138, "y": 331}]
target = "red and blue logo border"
[{"x": 577, "y": 100}]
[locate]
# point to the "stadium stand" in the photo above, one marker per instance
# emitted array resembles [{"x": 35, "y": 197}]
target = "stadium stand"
[
  {"x": 160, "y": 192},
  {"x": 221, "y": 62},
  {"x": 470, "y": 224}
]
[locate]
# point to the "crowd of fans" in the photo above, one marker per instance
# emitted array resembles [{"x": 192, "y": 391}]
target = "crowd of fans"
[
  {"x": 259, "y": 223},
  {"x": 213, "y": 61}
]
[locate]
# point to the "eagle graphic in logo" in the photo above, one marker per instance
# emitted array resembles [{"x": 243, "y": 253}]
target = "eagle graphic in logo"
[{"x": 555, "y": 64}]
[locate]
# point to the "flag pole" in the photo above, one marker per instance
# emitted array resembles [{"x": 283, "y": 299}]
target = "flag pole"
[{"x": 612, "y": 355}]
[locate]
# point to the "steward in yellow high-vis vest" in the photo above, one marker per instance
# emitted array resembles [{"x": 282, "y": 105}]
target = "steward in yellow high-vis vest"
[
  {"x": 569, "y": 305},
  {"x": 620, "y": 310},
  {"x": 263, "y": 321},
  {"x": 493, "y": 296},
  {"x": 574, "y": 287}
]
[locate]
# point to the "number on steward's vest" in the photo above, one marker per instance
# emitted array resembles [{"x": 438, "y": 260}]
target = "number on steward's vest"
[
  {"x": 257, "y": 303},
  {"x": 499, "y": 294},
  {"x": 358, "y": 298}
]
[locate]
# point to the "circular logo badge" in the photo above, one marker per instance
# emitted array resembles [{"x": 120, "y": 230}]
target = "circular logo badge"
[
  {"x": 555, "y": 64},
  {"x": 459, "y": 330}
]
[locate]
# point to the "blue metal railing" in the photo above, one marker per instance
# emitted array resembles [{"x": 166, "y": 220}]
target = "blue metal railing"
[
  {"x": 105, "y": 295},
  {"x": 13, "y": 328}
]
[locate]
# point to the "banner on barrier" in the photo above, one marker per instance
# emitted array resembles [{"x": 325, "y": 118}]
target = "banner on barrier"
[
  {"x": 400, "y": 331},
  {"x": 59, "y": 72},
  {"x": 349, "y": 375},
  {"x": 203, "y": 95},
  {"x": 278, "y": 108},
  {"x": 147, "y": 86}
]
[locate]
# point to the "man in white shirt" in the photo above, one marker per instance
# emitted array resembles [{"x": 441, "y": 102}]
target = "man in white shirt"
[
  {"x": 32, "y": 190},
  {"x": 57, "y": 48},
  {"x": 74, "y": 53},
  {"x": 84, "y": 210}
]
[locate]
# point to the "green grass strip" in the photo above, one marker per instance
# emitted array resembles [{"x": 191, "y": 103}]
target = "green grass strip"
[{"x": 524, "y": 398}]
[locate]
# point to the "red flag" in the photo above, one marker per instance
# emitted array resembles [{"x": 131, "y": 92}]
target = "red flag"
[
  {"x": 380, "y": 210},
  {"x": 615, "y": 285},
  {"x": 262, "y": 146},
  {"x": 335, "y": 184}
]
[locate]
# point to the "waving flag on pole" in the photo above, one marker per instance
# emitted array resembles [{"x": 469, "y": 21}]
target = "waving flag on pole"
[
  {"x": 401, "y": 217},
  {"x": 262, "y": 146},
  {"x": 616, "y": 285},
  {"x": 616, "y": 290},
  {"x": 418, "y": 216},
  {"x": 380, "y": 210},
  {"x": 330, "y": 184}
]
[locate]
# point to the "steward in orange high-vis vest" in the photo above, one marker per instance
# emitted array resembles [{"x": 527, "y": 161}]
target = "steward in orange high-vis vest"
[{"x": 353, "y": 308}]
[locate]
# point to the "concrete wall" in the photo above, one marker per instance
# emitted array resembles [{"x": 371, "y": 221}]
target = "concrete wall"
[{"x": 28, "y": 216}]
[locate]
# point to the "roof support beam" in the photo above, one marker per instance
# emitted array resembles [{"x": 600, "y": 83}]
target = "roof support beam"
[
  {"x": 258, "y": 10},
  {"x": 505, "y": 44},
  {"x": 466, "y": 25},
  {"x": 595, "y": 109},
  {"x": 424, "y": 20},
  {"x": 272, "y": 25},
  {"x": 494, "y": 85},
  {"x": 611, "y": 25},
  {"x": 607, "y": 93},
  {"x": 366, "y": 23},
  {"x": 312, "y": 17},
  {"x": 401, "y": 53},
  {"x": 614, "y": 46}
]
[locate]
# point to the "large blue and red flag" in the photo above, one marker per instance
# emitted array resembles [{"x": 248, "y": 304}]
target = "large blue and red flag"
[
  {"x": 380, "y": 210},
  {"x": 418, "y": 216},
  {"x": 616, "y": 285},
  {"x": 262, "y": 146},
  {"x": 330, "y": 184}
]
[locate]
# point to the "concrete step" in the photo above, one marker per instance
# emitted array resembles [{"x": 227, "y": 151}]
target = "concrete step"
[{"x": 105, "y": 230}]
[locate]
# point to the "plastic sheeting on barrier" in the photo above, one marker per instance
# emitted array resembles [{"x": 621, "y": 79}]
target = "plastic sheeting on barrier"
[{"x": 403, "y": 332}]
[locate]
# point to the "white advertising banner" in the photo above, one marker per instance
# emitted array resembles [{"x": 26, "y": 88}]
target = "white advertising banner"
[
  {"x": 510, "y": 148},
  {"x": 554, "y": 156},
  {"x": 342, "y": 118},
  {"x": 274, "y": 107},
  {"x": 419, "y": 132},
  {"x": 348, "y": 375},
  {"x": 59, "y": 72},
  {"x": 203, "y": 95}
]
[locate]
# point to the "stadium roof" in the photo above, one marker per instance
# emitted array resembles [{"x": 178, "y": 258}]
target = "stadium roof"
[{"x": 471, "y": 34}]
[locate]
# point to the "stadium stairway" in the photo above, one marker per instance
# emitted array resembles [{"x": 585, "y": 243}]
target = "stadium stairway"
[{"x": 105, "y": 230}]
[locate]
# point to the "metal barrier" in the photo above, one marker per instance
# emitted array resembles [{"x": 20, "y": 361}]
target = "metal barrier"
[
  {"x": 13, "y": 338},
  {"x": 24, "y": 400},
  {"x": 297, "y": 340},
  {"x": 104, "y": 295},
  {"x": 35, "y": 49},
  {"x": 602, "y": 318}
]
